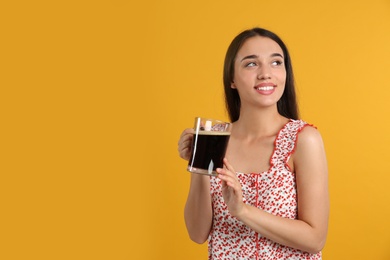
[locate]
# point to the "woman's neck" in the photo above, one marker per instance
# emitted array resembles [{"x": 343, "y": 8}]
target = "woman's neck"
[{"x": 259, "y": 123}]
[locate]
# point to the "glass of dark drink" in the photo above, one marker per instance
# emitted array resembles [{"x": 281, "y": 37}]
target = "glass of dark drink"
[{"x": 209, "y": 145}]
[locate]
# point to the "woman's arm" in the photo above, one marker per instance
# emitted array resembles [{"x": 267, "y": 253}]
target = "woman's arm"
[
  {"x": 198, "y": 213},
  {"x": 308, "y": 232}
]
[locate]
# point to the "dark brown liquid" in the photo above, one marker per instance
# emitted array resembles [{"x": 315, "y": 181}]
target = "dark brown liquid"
[{"x": 209, "y": 150}]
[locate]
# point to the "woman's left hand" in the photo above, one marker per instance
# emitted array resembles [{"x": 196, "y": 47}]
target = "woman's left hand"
[{"x": 231, "y": 188}]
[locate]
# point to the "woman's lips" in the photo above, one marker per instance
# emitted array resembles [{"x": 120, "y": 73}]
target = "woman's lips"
[{"x": 265, "y": 88}]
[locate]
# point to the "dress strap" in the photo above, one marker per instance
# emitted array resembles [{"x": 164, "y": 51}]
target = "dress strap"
[{"x": 286, "y": 141}]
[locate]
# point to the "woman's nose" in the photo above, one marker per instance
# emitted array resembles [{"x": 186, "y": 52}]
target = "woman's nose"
[{"x": 264, "y": 73}]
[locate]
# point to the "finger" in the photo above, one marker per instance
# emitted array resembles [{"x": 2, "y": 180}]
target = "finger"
[
  {"x": 224, "y": 184},
  {"x": 228, "y": 165},
  {"x": 187, "y": 139},
  {"x": 232, "y": 185},
  {"x": 184, "y": 143},
  {"x": 184, "y": 150},
  {"x": 227, "y": 168},
  {"x": 187, "y": 132},
  {"x": 228, "y": 177}
]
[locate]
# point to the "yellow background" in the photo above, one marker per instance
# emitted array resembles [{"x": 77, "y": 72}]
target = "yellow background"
[{"x": 94, "y": 95}]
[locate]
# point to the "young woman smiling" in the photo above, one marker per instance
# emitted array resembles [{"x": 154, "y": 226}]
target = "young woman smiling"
[{"x": 270, "y": 201}]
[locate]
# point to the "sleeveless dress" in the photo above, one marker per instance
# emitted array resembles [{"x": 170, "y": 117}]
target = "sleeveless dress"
[{"x": 273, "y": 191}]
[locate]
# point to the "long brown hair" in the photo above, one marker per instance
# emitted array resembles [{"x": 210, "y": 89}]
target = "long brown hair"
[{"x": 287, "y": 105}]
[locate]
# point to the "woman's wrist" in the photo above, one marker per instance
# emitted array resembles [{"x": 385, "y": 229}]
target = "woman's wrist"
[{"x": 241, "y": 212}]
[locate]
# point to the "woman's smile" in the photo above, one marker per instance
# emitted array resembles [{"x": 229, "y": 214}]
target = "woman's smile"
[{"x": 265, "y": 88}]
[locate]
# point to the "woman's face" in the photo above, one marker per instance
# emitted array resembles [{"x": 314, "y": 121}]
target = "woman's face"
[{"x": 259, "y": 72}]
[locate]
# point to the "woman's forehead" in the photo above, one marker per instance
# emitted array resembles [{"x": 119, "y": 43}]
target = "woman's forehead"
[{"x": 260, "y": 46}]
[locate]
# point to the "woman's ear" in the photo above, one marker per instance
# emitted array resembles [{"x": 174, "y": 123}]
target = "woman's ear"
[{"x": 232, "y": 85}]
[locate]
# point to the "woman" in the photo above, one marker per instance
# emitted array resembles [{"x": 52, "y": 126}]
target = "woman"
[{"x": 270, "y": 201}]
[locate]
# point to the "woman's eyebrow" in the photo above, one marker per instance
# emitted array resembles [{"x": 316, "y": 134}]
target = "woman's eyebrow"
[
  {"x": 277, "y": 55},
  {"x": 254, "y": 56}
]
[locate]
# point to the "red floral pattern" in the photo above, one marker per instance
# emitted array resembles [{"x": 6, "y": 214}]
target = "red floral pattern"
[{"x": 273, "y": 191}]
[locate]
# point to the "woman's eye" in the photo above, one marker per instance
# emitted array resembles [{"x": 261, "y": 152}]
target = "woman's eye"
[
  {"x": 250, "y": 64},
  {"x": 277, "y": 63}
]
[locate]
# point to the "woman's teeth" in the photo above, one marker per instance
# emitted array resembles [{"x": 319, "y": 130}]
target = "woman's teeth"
[{"x": 265, "y": 88}]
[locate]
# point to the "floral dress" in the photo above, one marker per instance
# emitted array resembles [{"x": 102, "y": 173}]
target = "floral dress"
[{"x": 273, "y": 191}]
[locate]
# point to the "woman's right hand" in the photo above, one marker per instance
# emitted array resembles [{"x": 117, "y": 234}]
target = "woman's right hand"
[{"x": 185, "y": 143}]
